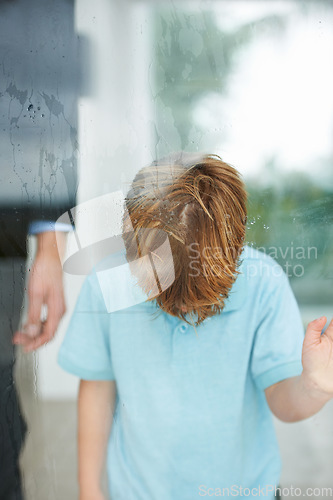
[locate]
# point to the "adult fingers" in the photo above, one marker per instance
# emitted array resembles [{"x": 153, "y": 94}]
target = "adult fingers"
[{"x": 55, "y": 312}]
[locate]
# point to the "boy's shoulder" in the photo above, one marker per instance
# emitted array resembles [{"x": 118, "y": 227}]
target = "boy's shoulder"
[
  {"x": 253, "y": 254},
  {"x": 259, "y": 276},
  {"x": 256, "y": 263}
]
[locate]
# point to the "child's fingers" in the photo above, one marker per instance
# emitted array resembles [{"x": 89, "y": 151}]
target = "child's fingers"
[
  {"x": 314, "y": 329},
  {"x": 329, "y": 330}
]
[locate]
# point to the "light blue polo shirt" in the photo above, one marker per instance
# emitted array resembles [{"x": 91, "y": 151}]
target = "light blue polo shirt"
[{"x": 191, "y": 419}]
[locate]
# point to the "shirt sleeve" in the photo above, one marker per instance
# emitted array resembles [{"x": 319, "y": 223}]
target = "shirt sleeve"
[
  {"x": 277, "y": 349},
  {"x": 42, "y": 226},
  {"x": 85, "y": 351}
]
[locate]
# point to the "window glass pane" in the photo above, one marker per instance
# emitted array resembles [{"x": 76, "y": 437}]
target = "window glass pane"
[{"x": 251, "y": 81}]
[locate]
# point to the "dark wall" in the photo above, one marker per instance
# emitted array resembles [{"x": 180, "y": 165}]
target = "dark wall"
[{"x": 39, "y": 86}]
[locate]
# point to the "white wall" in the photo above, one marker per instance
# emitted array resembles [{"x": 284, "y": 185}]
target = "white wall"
[{"x": 114, "y": 133}]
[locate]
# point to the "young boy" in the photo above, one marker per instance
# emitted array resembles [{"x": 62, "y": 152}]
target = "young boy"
[{"x": 189, "y": 378}]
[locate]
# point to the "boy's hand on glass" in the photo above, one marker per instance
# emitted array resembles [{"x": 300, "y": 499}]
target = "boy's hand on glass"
[
  {"x": 296, "y": 398},
  {"x": 317, "y": 359}
]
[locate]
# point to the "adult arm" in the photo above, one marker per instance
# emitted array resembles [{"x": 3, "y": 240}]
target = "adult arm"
[
  {"x": 45, "y": 287},
  {"x": 297, "y": 398}
]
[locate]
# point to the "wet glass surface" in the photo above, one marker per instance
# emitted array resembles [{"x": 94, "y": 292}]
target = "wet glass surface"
[{"x": 92, "y": 92}]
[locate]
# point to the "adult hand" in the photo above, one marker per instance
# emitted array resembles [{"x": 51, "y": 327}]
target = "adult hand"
[{"x": 45, "y": 288}]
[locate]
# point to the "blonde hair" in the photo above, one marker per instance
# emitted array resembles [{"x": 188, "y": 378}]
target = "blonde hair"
[{"x": 199, "y": 202}]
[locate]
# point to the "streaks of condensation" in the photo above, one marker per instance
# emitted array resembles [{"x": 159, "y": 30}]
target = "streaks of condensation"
[
  {"x": 14, "y": 93},
  {"x": 55, "y": 107},
  {"x": 55, "y": 165}
]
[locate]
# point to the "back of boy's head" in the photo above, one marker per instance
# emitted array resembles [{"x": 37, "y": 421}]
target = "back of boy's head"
[{"x": 200, "y": 203}]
